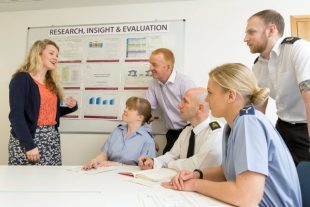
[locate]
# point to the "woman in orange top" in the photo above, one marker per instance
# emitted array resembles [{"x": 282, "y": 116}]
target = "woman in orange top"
[{"x": 35, "y": 95}]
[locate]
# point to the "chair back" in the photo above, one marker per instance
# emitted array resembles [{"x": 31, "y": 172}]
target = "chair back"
[{"x": 303, "y": 170}]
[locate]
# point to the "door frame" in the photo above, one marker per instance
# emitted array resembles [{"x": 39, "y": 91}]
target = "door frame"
[{"x": 294, "y": 20}]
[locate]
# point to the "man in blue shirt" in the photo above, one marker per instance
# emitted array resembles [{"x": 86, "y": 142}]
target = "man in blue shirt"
[{"x": 166, "y": 91}]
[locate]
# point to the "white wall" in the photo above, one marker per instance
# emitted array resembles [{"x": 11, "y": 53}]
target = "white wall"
[{"x": 214, "y": 35}]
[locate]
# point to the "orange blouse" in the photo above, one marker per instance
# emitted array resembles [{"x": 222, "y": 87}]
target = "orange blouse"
[{"x": 48, "y": 106}]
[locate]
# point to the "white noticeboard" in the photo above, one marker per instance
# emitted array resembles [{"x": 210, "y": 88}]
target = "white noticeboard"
[{"x": 101, "y": 65}]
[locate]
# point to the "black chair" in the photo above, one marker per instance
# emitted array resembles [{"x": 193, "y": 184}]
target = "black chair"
[{"x": 303, "y": 170}]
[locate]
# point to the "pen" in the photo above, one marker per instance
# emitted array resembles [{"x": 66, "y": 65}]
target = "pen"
[{"x": 143, "y": 161}]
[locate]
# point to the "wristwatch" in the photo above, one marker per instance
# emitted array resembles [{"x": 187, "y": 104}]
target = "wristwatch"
[{"x": 200, "y": 173}]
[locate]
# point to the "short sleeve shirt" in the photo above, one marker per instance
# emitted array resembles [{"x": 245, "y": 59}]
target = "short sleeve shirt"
[
  {"x": 253, "y": 144},
  {"x": 128, "y": 150},
  {"x": 287, "y": 67}
]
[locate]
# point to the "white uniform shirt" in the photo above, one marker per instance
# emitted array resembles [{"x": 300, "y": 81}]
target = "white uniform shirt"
[
  {"x": 288, "y": 66},
  {"x": 207, "y": 152}
]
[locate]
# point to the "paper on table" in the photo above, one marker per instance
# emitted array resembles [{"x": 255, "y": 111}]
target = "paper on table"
[
  {"x": 145, "y": 183},
  {"x": 176, "y": 198},
  {"x": 78, "y": 169}
]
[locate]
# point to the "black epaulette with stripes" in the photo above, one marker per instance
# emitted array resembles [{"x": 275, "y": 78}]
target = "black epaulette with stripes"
[{"x": 290, "y": 40}]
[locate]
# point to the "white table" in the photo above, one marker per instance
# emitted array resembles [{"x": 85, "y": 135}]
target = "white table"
[{"x": 34, "y": 186}]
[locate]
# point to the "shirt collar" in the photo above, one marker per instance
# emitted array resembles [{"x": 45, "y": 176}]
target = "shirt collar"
[
  {"x": 141, "y": 130},
  {"x": 171, "y": 78},
  {"x": 122, "y": 127},
  {"x": 276, "y": 48},
  {"x": 197, "y": 129}
]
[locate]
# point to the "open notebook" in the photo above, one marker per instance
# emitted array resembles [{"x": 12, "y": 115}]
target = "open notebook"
[{"x": 155, "y": 175}]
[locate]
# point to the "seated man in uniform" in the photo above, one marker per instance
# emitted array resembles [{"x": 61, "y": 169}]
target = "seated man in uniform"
[{"x": 199, "y": 145}]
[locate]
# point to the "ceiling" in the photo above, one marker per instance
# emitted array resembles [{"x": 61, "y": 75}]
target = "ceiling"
[{"x": 22, "y": 5}]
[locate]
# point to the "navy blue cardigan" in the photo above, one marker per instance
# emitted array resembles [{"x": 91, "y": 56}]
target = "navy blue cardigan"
[{"x": 24, "y": 109}]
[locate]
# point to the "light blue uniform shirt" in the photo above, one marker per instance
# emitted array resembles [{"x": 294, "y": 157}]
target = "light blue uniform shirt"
[
  {"x": 253, "y": 144},
  {"x": 168, "y": 96},
  {"x": 128, "y": 150}
]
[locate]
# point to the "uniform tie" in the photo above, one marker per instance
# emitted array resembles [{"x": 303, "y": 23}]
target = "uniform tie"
[{"x": 191, "y": 145}]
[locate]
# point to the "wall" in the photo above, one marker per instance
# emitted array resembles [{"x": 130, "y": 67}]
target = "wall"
[{"x": 214, "y": 35}]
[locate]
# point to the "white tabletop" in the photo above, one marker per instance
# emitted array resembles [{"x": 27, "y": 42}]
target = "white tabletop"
[{"x": 32, "y": 186}]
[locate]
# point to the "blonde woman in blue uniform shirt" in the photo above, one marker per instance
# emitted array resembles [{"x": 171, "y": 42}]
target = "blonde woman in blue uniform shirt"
[
  {"x": 257, "y": 168},
  {"x": 127, "y": 142}
]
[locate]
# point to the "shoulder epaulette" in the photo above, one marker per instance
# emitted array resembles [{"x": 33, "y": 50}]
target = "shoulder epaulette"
[
  {"x": 249, "y": 110},
  {"x": 290, "y": 40},
  {"x": 214, "y": 125},
  {"x": 256, "y": 60}
]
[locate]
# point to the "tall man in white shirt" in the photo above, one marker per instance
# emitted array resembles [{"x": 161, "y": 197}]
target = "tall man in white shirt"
[
  {"x": 284, "y": 67},
  {"x": 201, "y": 150},
  {"x": 166, "y": 92}
]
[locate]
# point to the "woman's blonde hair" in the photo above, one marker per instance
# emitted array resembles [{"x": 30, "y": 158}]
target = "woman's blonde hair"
[
  {"x": 143, "y": 107},
  {"x": 236, "y": 76},
  {"x": 33, "y": 63}
]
